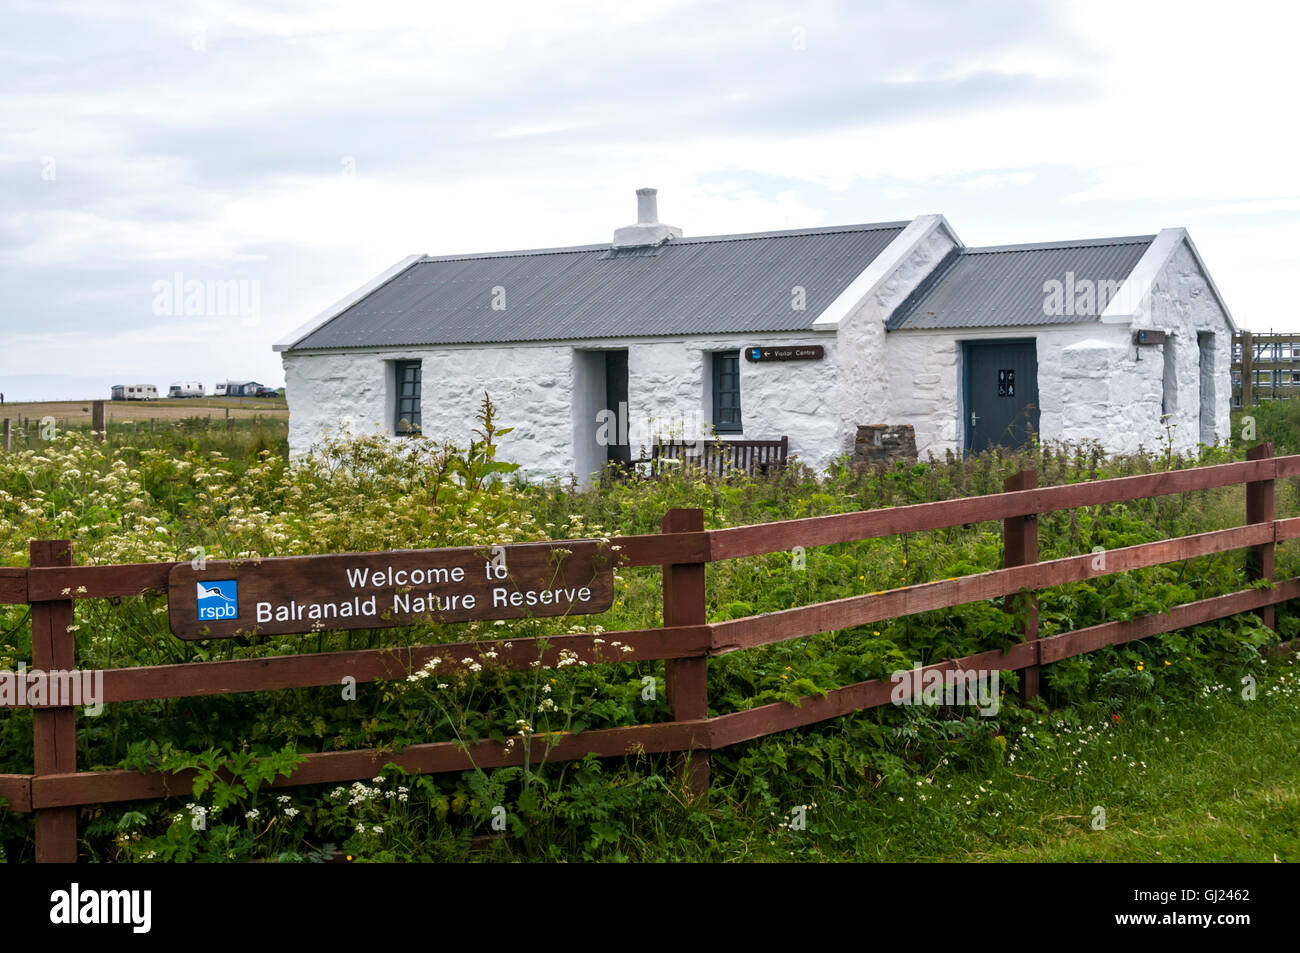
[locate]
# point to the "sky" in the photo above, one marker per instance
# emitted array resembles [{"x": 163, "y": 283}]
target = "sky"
[{"x": 276, "y": 156}]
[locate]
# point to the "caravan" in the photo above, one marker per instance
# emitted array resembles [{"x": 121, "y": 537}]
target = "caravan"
[
  {"x": 134, "y": 392},
  {"x": 185, "y": 389},
  {"x": 236, "y": 389}
]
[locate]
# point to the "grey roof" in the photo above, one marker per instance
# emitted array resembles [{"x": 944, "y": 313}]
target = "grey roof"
[
  {"x": 1004, "y": 285},
  {"x": 712, "y": 285}
]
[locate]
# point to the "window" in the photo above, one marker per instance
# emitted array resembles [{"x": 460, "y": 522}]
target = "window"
[
  {"x": 726, "y": 391},
  {"x": 407, "y": 377}
]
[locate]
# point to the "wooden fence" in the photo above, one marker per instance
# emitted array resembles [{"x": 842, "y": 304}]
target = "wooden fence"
[
  {"x": 55, "y": 788},
  {"x": 1264, "y": 367}
]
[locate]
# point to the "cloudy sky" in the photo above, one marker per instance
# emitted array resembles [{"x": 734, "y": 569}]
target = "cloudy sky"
[{"x": 298, "y": 149}]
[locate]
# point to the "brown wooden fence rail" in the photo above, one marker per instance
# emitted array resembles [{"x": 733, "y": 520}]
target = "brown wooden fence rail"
[{"x": 55, "y": 788}]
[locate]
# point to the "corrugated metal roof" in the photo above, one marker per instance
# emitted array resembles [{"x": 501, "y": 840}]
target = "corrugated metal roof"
[
  {"x": 711, "y": 285},
  {"x": 1005, "y": 285}
]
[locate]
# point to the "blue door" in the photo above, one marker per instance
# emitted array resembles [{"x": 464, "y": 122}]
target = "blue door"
[{"x": 1001, "y": 392}]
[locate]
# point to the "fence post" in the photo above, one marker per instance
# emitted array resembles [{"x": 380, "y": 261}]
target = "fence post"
[
  {"x": 1259, "y": 509},
  {"x": 1020, "y": 547},
  {"x": 97, "y": 421},
  {"x": 8, "y": 437},
  {"x": 687, "y": 680},
  {"x": 54, "y": 729}
]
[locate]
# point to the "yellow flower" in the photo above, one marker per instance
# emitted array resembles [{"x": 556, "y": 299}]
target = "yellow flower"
[
  {"x": 1167, "y": 662},
  {"x": 1139, "y": 666}
]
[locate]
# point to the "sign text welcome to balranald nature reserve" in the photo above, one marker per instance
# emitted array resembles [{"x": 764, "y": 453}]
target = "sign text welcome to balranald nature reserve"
[{"x": 222, "y": 599}]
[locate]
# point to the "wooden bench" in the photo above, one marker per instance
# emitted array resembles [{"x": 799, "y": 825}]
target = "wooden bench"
[{"x": 720, "y": 457}]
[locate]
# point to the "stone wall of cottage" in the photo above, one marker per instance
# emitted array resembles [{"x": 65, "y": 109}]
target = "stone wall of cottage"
[{"x": 549, "y": 395}]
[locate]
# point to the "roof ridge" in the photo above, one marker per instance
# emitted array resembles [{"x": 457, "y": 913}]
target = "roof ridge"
[
  {"x": 513, "y": 253},
  {"x": 811, "y": 230},
  {"x": 1069, "y": 243},
  {"x": 693, "y": 240}
]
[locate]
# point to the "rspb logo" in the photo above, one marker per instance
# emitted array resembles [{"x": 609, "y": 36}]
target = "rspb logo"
[{"x": 218, "y": 600}]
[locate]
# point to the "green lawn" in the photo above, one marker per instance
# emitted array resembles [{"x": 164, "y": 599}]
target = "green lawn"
[{"x": 1213, "y": 780}]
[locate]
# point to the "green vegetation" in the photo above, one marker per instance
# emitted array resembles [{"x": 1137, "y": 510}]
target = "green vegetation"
[
  {"x": 1276, "y": 421},
  {"x": 893, "y": 783}
]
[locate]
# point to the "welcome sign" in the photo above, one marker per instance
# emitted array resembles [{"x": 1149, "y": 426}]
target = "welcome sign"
[{"x": 223, "y": 598}]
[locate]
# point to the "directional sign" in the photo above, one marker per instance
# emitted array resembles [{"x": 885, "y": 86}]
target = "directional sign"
[
  {"x": 298, "y": 594},
  {"x": 800, "y": 352}
]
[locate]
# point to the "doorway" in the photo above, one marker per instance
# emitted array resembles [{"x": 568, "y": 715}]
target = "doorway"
[
  {"x": 600, "y": 424},
  {"x": 1207, "y": 358},
  {"x": 620, "y": 449},
  {"x": 1000, "y": 390}
]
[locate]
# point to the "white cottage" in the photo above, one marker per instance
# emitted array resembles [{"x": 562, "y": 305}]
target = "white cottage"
[{"x": 808, "y": 334}]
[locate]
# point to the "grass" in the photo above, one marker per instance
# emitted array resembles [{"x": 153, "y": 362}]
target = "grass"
[
  {"x": 164, "y": 495},
  {"x": 1213, "y": 781}
]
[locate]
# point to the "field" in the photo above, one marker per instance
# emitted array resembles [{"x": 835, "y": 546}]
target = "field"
[
  {"x": 73, "y": 413},
  {"x": 1158, "y": 733}
]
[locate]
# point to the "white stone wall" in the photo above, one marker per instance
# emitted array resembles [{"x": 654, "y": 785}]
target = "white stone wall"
[
  {"x": 531, "y": 388},
  {"x": 1106, "y": 389},
  {"x": 670, "y": 390},
  {"x": 1183, "y": 303},
  {"x": 864, "y": 364},
  {"x": 922, "y": 375},
  {"x": 545, "y": 392}
]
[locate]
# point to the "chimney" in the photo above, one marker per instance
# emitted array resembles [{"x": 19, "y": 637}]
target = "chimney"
[
  {"x": 647, "y": 207},
  {"x": 647, "y": 230}
]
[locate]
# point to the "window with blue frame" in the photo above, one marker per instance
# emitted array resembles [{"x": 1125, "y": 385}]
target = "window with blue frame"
[
  {"x": 407, "y": 380},
  {"x": 726, "y": 391}
]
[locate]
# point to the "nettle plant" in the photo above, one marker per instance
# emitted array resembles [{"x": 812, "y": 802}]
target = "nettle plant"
[{"x": 222, "y": 823}]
